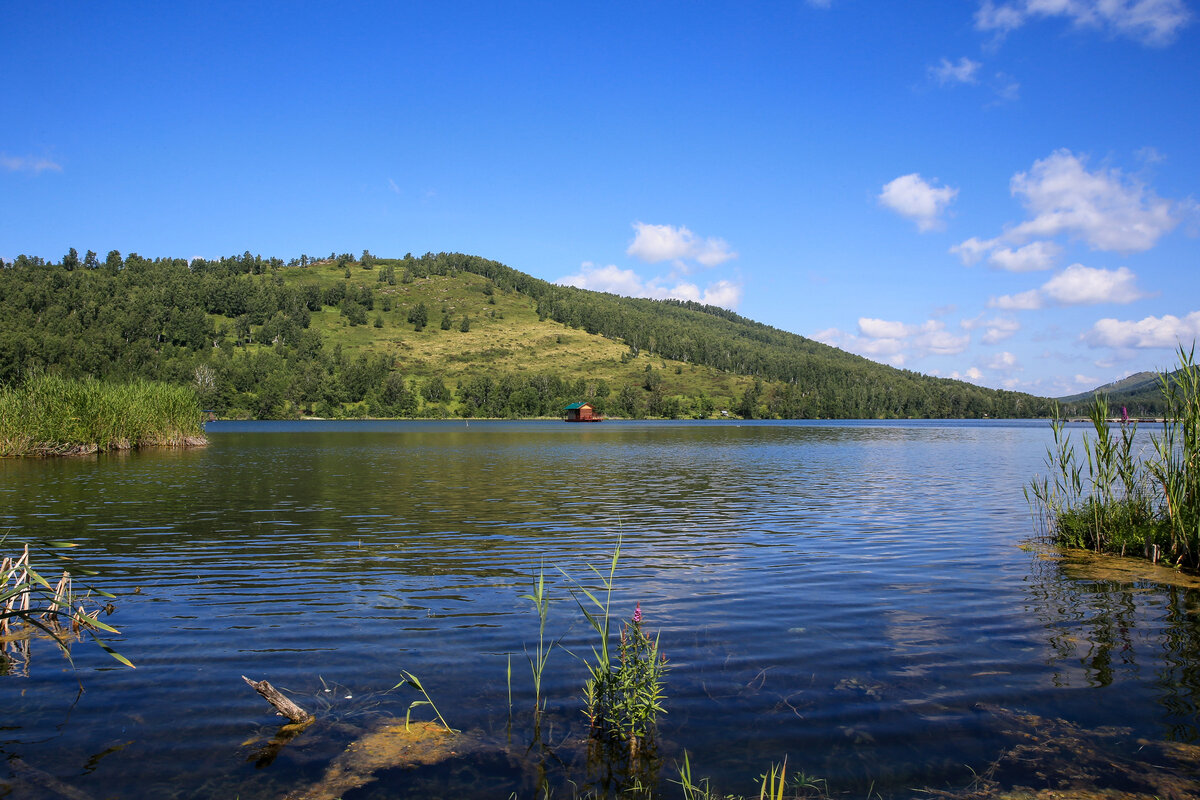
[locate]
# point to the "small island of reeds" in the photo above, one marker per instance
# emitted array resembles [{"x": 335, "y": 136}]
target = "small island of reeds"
[
  {"x": 48, "y": 415},
  {"x": 1125, "y": 497}
]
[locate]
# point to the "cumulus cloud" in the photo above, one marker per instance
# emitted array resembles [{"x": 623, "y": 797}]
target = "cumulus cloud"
[
  {"x": 973, "y": 374},
  {"x": 1003, "y": 362},
  {"x": 950, "y": 73},
  {"x": 1105, "y": 208},
  {"x": 896, "y": 342},
  {"x": 1022, "y": 301},
  {"x": 28, "y": 164},
  {"x": 996, "y": 329},
  {"x": 913, "y": 197},
  {"x": 1030, "y": 258},
  {"x": 1077, "y": 285},
  {"x": 973, "y": 249},
  {"x": 656, "y": 243},
  {"x": 615, "y": 280},
  {"x": 1167, "y": 331},
  {"x": 1152, "y": 22}
]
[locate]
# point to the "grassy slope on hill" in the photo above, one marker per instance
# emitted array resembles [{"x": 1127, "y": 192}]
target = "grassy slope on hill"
[{"x": 504, "y": 337}]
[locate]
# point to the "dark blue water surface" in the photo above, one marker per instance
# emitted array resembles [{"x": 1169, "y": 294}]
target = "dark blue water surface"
[{"x": 851, "y": 595}]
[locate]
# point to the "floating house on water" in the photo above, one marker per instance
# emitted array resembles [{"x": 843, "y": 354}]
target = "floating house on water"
[{"x": 581, "y": 412}]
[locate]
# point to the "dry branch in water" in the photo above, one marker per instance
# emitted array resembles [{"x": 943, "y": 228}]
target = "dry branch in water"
[{"x": 282, "y": 705}]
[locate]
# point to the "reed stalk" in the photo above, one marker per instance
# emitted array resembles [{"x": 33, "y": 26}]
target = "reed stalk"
[
  {"x": 48, "y": 415},
  {"x": 1115, "y": 499},
  {"x": 30, "y": 604}
]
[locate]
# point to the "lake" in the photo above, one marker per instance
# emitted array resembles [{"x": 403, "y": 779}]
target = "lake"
[{"x": 860, "y": 597}]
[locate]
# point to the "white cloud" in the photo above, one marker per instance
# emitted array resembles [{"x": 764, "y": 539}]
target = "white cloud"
[
  {"x": 1076, "y": 285},
  {"x": 615, "y": 280},
  {"x": 949, "y": 73},
  {"x": 972, "y": 374},
  {"x": 28, "y": 164},
  {"x": 1080, "y": 285},
  {"x": 392, "y": 185},
  {"x": 943, "y": 343},
  {"x": 883, "y": 329},
  {"x": 896, "y": 342},
  {"x": 1153, "y": 22},
  {"x": 1023, "y": 301},
  {"x": 973, "y": 249},
  {"x": 657, "y": 243},
  {"x": 912, "y": 197},
  {"x": 1105, "y": 208},
  {"x": 1030, "y": 258},
  {"x": 1006, "y": 87},
  {"x": 1003, "y": 362},
  {"x": 996, "y": 329},
  {"x": 1167, "y": 331}
]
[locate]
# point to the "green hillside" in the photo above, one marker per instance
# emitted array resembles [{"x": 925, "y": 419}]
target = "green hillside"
[
  {"x": 439, "y": 335},
  {"x": 1140, "y": 394}
]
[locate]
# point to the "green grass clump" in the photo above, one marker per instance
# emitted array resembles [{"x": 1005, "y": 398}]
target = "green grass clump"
[
  {"x": 48, "y": 415},
  {"x": 1118, "y": 501}
]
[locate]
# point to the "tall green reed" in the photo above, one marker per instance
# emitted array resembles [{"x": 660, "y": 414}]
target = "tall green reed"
[
  {"x": 537, "y": 659},
  {"x": 1116, "y": 499},
  {"x": 623, "y": 696},
  {"x": 50, "y": 415}
]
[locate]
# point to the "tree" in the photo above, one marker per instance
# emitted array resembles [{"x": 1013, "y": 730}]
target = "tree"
[
  {"x": 113, "y": 262},
  {"x": 71, "y": 260},
  {"x": 418, "y": 315},
  {"x": 435, "y": 390},
  {"x": 465, "y": 327}
]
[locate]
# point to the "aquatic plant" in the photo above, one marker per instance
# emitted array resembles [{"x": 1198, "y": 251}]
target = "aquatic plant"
[
  {"x": 29, "y": 604},
  {"x": 537, "y": 659},
  {"x": 48, "y": 415},
  {"x": 772, "y": 785},
  {"x": 623, "y": 697},
  {"x": 1116, "y": 500},
  {"x": 428, "y": 701}
]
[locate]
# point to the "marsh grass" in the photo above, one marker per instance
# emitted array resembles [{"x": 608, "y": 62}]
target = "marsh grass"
[
  {"x": 48, "y": 415},
  {"x": 1115, "y": 499}
]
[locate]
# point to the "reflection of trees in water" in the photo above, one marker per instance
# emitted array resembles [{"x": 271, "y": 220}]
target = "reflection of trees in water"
[{"x": 1116, "y": 630}]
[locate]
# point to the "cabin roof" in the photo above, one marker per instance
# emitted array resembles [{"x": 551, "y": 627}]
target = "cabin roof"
[{"x": 576, "y": 405}]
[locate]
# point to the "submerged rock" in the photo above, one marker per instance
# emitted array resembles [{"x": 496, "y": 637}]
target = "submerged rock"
[{"x": 392, "y": 745}]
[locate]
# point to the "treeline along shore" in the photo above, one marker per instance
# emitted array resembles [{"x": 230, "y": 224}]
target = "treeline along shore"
[{"x": 440, "y": 335}]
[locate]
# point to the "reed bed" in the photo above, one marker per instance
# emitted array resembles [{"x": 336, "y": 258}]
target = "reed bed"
[
  {"x": 1116, "y": 499},
  {"x": 48, "y": 415}
]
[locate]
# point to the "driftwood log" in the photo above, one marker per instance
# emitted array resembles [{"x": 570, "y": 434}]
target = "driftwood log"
[{"x": 282, "y": 705}]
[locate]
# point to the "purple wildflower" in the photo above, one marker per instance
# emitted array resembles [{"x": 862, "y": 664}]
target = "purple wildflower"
[{"x": 637, "y": 614}]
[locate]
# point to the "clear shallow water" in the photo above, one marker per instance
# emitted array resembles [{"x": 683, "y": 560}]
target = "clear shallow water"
[{"x": 851, "y": 595}]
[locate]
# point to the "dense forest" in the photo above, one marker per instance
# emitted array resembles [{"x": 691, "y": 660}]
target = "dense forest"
[{"x": 241, "y": 330}]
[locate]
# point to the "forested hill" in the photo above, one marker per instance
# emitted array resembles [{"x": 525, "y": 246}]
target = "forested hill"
[{"x": 435, "y": 335}]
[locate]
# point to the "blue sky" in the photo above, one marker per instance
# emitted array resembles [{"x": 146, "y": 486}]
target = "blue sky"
[{"x": 999, "y": 191}]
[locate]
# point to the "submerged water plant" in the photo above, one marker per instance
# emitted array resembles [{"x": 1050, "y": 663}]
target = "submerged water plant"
[{"x": 1114, "y": 499}]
